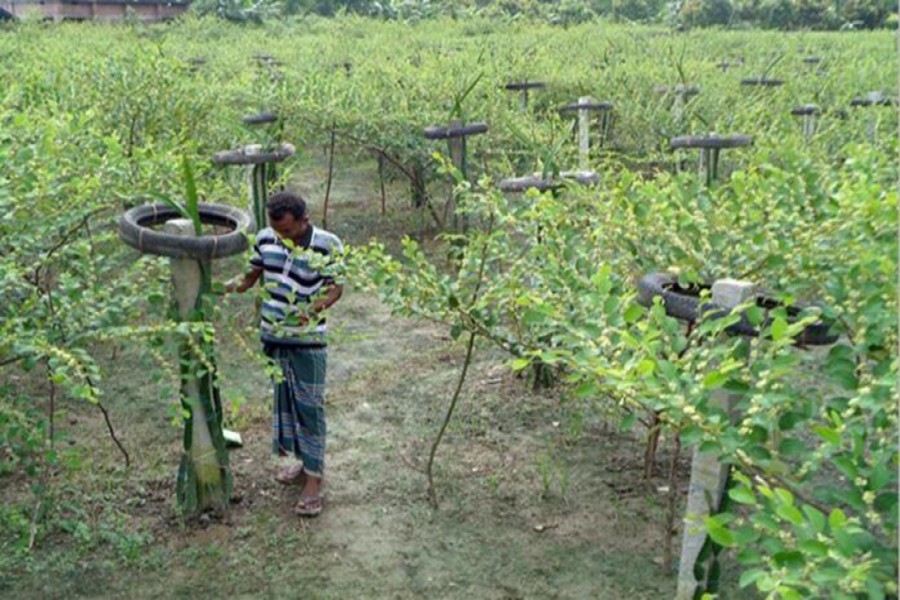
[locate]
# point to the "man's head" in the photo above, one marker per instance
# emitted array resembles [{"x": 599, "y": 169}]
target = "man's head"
[{"x": 287, "y": 215}]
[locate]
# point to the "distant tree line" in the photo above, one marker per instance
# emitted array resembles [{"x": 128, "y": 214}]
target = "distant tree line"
[{"x": 765, "y": 14}]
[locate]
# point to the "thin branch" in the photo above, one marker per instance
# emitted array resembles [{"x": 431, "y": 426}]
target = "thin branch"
[
  {"x": 11, "y": 360},
  {"x": 52, "y": 408},
  {"x": 670, "y": 513},
  {"x": 330, "y": 178},
  {"x": 770, "y": 478},
  {"x": 432, "y": 495},
  {"x": 62, "y": 242},
  {"x": 109, "y": 426}
]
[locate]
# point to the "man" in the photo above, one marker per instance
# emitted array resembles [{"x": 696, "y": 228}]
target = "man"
[{"x": 294, "y": 257}]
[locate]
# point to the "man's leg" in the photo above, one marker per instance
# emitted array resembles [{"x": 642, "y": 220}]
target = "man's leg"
[
  {"x": 309, "y": 399},
  {"x": 285, "y": 419}
]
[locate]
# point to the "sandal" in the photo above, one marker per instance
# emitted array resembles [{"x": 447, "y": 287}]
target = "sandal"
[
  {"x": 309, "y": 506},
  {"x": 293, "y": 475}
]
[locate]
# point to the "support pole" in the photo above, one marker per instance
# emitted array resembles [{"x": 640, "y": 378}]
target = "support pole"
[
  {"x": 458, "y": 156},
  {"x": 203, "y": 478},
  {"x": 584, "y": 133},
  {"x": 809, "y": 127},
  {"x": 703, "y": 169},
  {"x": 708, "y": 475},
  {"x": 259, "y": 194},
  {"x": 678, "y": 108}
]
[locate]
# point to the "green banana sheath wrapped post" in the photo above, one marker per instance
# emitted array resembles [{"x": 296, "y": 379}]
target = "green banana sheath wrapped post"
[{"x": 204, "y": 480}]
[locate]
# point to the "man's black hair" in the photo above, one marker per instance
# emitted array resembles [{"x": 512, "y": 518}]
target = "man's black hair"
[{"x": 286, "y": 202}]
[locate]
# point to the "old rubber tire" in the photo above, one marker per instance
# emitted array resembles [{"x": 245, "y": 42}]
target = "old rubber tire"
[
  {"x": 589, "y": 106},
  {"x": 524, "y": 85},
  {"x": 259, "y": 119},
  {"x": 135, "y": 230},
  {"x": 715, "y": 142},
  {"x": 240, "y": 157},
  {"x": 879, "y": 100},
  {"x": 806, "y": 110},
  {"x": 685, "y": 304},
  {"x": 763, "y": 81},
  {"x": 437, "y": 132},
  {"x": 528, "y": 182}
]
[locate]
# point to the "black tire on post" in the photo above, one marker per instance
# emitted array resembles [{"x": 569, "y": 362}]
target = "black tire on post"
[
  {"x": 438, "y": 132},
  {"x": 713, "y": 142},
  {"x": 135, "y": 230},
  {"x": 528, "y": 182},
  {"x": 589, "y": 106},
  {"x": 679, "y": 302},
  {"x": 240, "y": 157},
  {"x": 762, "y": 81},
  {"x": 807, "y": 110},
  {"x": 261, "y": 118},
  {"x": 515, "y": 86},
  {"x": 685, "y": 303}
]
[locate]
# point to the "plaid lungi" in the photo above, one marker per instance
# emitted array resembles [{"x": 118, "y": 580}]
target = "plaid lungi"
[{"x": 298, "y": 425}]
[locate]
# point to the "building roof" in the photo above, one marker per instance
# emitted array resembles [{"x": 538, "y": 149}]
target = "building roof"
[{"x": 120, "y": 2}]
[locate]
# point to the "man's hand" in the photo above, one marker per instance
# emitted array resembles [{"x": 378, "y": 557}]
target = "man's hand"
[
  {"x": 242, "y": 285},
  {"x": 333, "y": 293}
]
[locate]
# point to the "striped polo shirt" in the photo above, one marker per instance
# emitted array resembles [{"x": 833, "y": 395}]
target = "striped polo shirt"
[{"x": 293, "y": 279}]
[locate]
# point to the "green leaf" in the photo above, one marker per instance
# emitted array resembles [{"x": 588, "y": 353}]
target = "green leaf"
[
  {"x": 754, "y": 315},
  {"x": 633, "y": 313},
  {"x": 788, "y": 593},
  {"x": 779, "y": 329},
  {"x": 742, "y": 495},
  {"x": 789, "y": 420},
  {"x": 815, "y": 517},
  {"x": 718, "y": 533},
  {"x": 814, "y": 548},
  {"x": 520, "y": 363},
  {"x": 789, "y": 513},
  {"x": 714, "y": 380},
  {"x": 837, "y": 519},
  {"x": 750, "y": 577},
  {"x": 791, "y": 559},
  {"x": 829, "y": 435},
  {"x": 790, "y": 448}
]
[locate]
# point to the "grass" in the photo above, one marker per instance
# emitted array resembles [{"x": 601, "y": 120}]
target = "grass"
[{"x": 529, "y": 509}]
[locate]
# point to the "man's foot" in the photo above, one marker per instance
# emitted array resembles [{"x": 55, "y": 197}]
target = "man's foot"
[
  {"x": 293, "y": 475},
  {"x": 309, "y": 506}
]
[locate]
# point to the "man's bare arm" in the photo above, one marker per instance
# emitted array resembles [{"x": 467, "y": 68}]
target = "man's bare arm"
[
  {"x": 241, "y": 286},
  {"x": 332, "y": 294}
]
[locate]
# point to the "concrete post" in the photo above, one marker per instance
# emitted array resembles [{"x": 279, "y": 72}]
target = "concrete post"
[
  {"x": 584, "y": 132},
  {"x": 809, "y": 126},
  {"x": 458, "y": 156},
  {"x": 678, "y": 108},
  {"x": 708, "y": 475},
  {"x": 186, "y": 272},
  {"x": 703, "y": 169},
  {"x": 872, "y": 121},
  {"x": 458, "y": 149}
]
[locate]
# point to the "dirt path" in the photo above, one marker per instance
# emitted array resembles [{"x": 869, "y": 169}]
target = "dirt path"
[{"x": 499, "y": 532}]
